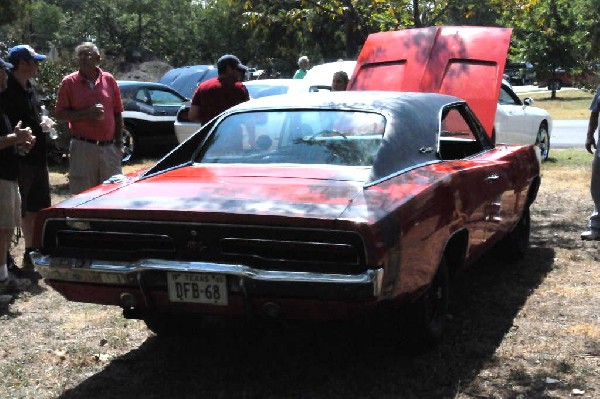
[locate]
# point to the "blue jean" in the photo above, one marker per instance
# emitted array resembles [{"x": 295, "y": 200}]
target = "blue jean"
[{"x": 594, "y": 221}]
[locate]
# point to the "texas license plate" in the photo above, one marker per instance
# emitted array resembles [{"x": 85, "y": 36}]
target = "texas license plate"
[{"x": 197, "y": 288}]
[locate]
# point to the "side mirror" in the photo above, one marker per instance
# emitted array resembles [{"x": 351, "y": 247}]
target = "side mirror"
[{"x": 528, "y": 101}]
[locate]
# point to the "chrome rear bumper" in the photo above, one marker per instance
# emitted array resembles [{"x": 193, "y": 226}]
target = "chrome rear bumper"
[{"x": 73, "y": 270}]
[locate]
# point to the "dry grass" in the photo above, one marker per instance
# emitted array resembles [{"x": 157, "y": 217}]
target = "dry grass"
[
  {"x": 568, "y": 104},
  {"x": 524, "y": 330}
]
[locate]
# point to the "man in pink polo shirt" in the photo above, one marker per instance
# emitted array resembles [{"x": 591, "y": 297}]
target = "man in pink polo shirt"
[{"x": 91, "y": 101}]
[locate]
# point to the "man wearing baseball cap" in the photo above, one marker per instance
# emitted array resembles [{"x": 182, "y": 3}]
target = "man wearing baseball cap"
[
  {"x": 22, "y": 103},
  {"x": 24, "y": 52},
  {"x": 221, "y": 93}
]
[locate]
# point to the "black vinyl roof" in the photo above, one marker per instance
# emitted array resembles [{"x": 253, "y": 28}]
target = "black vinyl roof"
[{"x": 411, "y": 132}]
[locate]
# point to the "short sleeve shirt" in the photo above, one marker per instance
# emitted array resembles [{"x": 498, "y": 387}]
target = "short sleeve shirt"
[
  {"x": 76, "y": 93},
  {"x": 596, "y": 101},
  {"x": 217, "y": 95},
  {"x": 300, "y": 74}
]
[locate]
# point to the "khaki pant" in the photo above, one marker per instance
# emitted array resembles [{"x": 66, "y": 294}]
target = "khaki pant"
[
  {"x": 10, "y": 205},
  {"x": 91, "y": 164}
]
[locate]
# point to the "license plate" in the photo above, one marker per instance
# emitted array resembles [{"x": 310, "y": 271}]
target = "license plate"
[{"x": 197, "y": 288}]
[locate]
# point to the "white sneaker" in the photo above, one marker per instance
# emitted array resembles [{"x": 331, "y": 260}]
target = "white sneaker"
[
  {"x": 591, "y": 234},
  {"x": 13, "y": 284}
]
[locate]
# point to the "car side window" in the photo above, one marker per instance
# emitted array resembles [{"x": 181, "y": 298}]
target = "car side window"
[
  {"x": 163, "y": 97},
  {"x": 457, "y": 139},
  {"x": 142, "y": 96},
  {"x": 506, "y": 98}
]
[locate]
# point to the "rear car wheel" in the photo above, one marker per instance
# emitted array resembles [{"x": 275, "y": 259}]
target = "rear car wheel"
[
  {"x": 542, "y": 141},
  {"x": 516, "y": 243},
  {"x": 427, "y": 316},
  {"x": 129, "y": 143}
]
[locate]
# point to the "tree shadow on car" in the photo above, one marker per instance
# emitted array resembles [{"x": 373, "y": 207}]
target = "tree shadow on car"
[{"x": 329, "y": 360}]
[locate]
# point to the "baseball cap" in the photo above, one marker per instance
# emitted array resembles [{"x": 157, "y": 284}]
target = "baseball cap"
[
  {"x": 232, "y": 60},
  {"x": 5, "y": 65},
  {"x": 24, "y": 52}
]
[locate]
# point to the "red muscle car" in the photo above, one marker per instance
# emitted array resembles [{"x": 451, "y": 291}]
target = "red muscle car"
[{"x": 311, "y": 206}]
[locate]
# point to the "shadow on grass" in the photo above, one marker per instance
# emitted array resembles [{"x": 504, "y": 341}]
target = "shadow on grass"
[
  {"x": 562, "y": 98},
  {"x": 329, "y": 360}
]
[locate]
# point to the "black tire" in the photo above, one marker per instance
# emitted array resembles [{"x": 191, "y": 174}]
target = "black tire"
[
  {"x": 542, "y": 141},
  {"x": 516, "y": 243},
  {"x": 426, "y": 317},
  {"x": 168, "y": 325},
  {"x": 129, "y": 143}
]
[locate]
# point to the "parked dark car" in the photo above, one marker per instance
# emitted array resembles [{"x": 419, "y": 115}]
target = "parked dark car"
[
  {"x": 564, "y": 77},
  {"x": 520, "y": 73},
  {"x": 186, "y": 79},
  {"x": 149, "y": 112}
]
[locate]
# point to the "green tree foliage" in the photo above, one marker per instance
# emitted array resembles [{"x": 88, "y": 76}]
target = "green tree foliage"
[
  {"x": 272, "y": 33},
  {"x": 49, "y": 77},
  {"x": 555, "y": 33}
]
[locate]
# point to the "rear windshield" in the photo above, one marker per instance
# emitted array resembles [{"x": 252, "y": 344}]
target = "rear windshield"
[{"x": 349, "y": 138}]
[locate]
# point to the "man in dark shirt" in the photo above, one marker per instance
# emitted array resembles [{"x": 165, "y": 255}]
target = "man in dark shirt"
[
  {"x": 21, "y": 103},
  {"x": 10, "y": 200},
  {"x": 221, "y": 93}
]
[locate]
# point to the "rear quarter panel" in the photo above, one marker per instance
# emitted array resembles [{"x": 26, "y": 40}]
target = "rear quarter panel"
[{"x": 413, "y": 216}]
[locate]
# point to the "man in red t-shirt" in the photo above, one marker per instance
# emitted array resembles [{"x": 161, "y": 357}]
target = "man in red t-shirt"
[
  {"x": 90, "y": 100},
  {"x": 221, "y": 93}
]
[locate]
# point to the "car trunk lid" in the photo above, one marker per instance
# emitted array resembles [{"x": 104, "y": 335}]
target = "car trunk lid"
[{"x": 313, "y": 192}]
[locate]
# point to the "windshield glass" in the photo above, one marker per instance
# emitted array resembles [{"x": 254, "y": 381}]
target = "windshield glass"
[
  {"x": 258, "y": 90},
  {"x": 296, "y": 137}
]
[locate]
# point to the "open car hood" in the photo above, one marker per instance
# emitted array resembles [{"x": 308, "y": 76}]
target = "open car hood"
[{"x": 466, "y": 62}]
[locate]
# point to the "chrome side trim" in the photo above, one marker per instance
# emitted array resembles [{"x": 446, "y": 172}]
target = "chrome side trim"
[{"x": 125, "y": 273}]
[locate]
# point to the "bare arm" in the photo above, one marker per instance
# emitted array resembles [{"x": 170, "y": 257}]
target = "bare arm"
[
  {"x": 118, "y": 129},
  {"x": 92, "y": 112},
  {"x": 590, "y": 142},
  {"x": 18, "y": 136},
  {"x": 194, "y": 114}
]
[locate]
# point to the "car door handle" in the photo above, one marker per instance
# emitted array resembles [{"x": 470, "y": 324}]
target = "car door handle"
[{"x": 492, "y": 178}]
